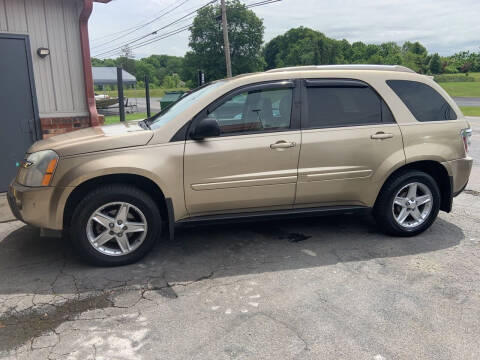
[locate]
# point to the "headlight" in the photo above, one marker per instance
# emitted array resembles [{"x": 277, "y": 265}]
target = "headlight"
[{"x": 38, "y": 168}]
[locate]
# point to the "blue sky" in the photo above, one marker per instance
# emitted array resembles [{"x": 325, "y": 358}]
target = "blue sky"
[{"x": 443, "y": 26}]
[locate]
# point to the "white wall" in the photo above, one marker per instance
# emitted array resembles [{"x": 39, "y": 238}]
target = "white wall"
[{"x": 52, "y": 24}]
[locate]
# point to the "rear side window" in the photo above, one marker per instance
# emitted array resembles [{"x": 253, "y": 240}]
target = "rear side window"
[
  {"x": 424, "y": 102},
  {"x": 343, "y": 105}
]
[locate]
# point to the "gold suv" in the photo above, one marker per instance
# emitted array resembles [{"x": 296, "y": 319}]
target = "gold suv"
[{"x": 287, "y": 142}]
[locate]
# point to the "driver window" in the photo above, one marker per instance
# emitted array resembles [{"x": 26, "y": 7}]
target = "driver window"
[{"x": 254, "y": 111}]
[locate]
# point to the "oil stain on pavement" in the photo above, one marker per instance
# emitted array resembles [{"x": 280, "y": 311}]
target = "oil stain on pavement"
[{"x": 16, "y": 328}]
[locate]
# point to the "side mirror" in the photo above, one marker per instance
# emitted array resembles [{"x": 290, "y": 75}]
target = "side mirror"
[{"x": 207, "y": 127}]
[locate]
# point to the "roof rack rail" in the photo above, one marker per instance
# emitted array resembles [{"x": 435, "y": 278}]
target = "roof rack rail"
[{"x": 398, "y": 68}]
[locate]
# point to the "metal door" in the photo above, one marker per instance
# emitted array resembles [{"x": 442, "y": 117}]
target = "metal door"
[
  {"x": 18, "y": 119},
  {"x": 247, "y": 167}
]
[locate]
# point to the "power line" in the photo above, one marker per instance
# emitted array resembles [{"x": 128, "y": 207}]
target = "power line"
[
  {"x": 260, "y": 3},
  {"x": 184, "y": 28},
  {"x": 130, "y": 28},
  {"x": 155, "y": 31},
  {"x": 162, "y": 36},
  {"x": 148, "y": 41},
  {"x": 142, "y": 26},
  {"x": 178, "y": 30}
]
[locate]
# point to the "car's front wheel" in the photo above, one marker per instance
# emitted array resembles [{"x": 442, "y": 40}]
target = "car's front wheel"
[
  {"x": 408, "y": 204},
  {"x": 115, "y": 225}
]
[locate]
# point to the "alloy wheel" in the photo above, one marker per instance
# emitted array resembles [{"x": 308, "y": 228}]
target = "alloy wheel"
[
  {"x": 117, "y": 228},
  {"x": 412, "y": 205}
]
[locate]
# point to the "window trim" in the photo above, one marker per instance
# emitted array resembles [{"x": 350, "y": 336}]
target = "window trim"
[
  {"x": 184, "y": 134},
  {"x": 339, "y": 83}
]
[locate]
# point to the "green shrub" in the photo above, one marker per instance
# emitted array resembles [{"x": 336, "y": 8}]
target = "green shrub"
[
  {"x": 453, "y": 78},
  {"x": 450, "y": 69}
]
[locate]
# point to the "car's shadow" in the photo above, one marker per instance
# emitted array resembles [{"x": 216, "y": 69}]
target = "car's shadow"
[{"x": 33, "y": 265}]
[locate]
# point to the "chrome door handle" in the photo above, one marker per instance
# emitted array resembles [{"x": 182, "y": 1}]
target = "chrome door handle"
[
  {"x": 381, "y": 136},
  {"x": 283, "y": 145}
]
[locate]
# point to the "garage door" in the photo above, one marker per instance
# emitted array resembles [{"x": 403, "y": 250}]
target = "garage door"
[{"x": 17, "y": 112}]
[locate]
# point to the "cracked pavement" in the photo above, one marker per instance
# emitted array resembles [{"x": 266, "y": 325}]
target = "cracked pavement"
[{"x": 318, "y": 288}]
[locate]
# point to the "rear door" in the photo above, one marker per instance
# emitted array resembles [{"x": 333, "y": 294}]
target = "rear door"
[
  {"x": 350, "y": 142},
  {"x": 253, "y": 163}
]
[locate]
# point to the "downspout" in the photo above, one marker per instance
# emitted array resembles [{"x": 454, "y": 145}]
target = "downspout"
[{"x": 87, "y": 63}]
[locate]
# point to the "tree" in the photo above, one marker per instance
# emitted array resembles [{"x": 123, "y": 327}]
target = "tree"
[
  {"x": 304, "y": 46},
  {"x": 435, "y": 64},
  {"x": 145, "y": 69},
  {"x": 164, "y": 65},
  {"x": 415, "y": 48},
  {"x": 359, "y": 52},
  {"x": 391, "y": 53},
  {"x": 171, "y": 81},
  {"x": 245, "y": 31},
  {"x": 297, "y": 46},
  {"x": 415, "y": 56},
  {"x": 104, "y": 62}
]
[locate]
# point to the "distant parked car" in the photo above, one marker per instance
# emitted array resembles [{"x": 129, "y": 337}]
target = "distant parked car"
[
  {"x": 103, "y": 101},
  {"x": 287, "y": 142},
  {"x": 101, "y": 97}
]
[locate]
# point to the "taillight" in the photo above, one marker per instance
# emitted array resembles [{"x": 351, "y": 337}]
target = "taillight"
[{"x": 467, "y": 138}]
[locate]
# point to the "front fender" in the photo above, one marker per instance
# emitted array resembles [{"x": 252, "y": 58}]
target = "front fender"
[{"x": 162, "y": 164}]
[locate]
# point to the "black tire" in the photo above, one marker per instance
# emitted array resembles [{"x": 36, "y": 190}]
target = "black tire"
[
  {"x": 383, "y": 207},
  {"x": 108, "y": 194}
]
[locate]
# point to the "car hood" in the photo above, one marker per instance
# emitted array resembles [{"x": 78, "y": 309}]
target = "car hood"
[{"x": 97, "y": 138}]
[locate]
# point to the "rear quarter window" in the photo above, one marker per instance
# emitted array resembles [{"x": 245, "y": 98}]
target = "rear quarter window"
[{"x": 423, "y": 101}]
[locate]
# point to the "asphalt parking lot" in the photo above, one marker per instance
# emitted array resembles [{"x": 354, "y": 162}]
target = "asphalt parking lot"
[
  {"x": 322, "y": 288},
  {"x": 467, "y": 101}
]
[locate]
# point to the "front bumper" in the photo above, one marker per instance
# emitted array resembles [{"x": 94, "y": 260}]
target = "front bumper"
[{"x": 34, "y": 206}]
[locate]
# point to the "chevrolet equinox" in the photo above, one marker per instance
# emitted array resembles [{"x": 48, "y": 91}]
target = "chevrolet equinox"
[{"x": 287, "y": 142}]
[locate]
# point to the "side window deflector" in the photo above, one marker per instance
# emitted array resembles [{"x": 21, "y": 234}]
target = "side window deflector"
[{"x": 335, "y": 83}]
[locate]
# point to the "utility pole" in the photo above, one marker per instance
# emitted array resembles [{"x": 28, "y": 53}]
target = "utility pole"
[
  {"x": 225, "y": 39},
  {"x": 121, "y": 104},
  {"x": 147, "y": 95}
]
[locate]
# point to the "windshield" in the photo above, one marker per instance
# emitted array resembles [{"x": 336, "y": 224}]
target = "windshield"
[{"x": 181, "y": 105}]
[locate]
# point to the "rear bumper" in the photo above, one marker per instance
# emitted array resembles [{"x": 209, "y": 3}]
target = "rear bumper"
[
  {"x": 455, "y": 194},
  {"x": 33, "y": 205},
  {"x": 459, "y": 170}
]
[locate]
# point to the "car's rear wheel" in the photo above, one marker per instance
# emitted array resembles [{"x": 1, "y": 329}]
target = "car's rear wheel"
[
  {"x": 115, "y": 225},
  {"x": 408, "y": 204}
]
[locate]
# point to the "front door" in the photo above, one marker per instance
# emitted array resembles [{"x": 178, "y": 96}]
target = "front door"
[
  {"x": 252, "y": 165},
  {"x": 349, "y": 142},
  {"x": 17, "y": 118}
]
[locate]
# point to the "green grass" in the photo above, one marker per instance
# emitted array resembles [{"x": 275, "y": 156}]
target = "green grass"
[
  {"x": 139, "y": 93},
  {"x": 474, "y": 75},
  {"x": 128, "y": 117},
  {"x": 470, "y": 110},
  {"x": 462, "y": 89}
]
